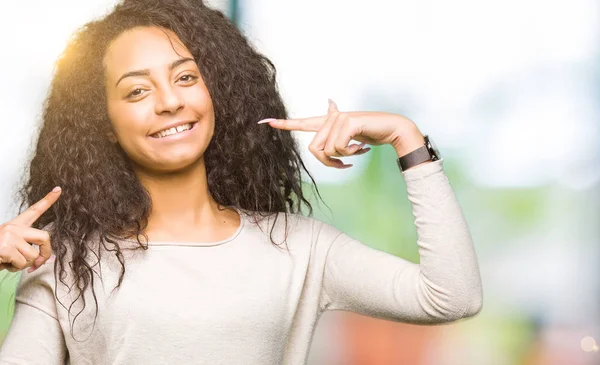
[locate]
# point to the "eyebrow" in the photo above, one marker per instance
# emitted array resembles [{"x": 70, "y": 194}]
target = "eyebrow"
[{"x": 146, "y": 72}]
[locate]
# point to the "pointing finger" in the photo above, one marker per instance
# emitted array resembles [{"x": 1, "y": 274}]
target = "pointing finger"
[
  {"x": 31, "y": 214},
  {"x": 310, "y": 124}
]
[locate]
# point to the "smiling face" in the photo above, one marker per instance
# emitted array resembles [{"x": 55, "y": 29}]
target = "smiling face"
[{"x": 153, "y": 83}]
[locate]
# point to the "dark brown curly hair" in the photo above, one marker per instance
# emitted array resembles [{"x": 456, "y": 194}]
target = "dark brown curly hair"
[{"x": 248, "y": 167}]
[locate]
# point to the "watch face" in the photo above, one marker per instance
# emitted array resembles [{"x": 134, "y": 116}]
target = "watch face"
[{"x": 432, "y": 147}]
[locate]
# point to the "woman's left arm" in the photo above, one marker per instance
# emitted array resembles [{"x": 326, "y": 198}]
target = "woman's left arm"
[{"x": 446, "y": 285}]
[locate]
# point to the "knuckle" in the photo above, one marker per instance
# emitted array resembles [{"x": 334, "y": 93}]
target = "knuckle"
[
  {"x": 20, "y": 265},
  {"x": 5, "y": 244},
  {"x": 6, "y": 239},
  {"x": 9, "y": 227},
  {"x": 340, "y": 147}
]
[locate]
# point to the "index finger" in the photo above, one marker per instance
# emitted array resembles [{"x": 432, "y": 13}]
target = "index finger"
[
  {"x": 310, "y": 124},
  {"x": 35, "y": 211}
]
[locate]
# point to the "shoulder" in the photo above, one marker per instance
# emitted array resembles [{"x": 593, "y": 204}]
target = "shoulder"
[
  {"x": 283, "y": 220},
  {"x": 38, "y": 287},
  {"x": 301, "y": 227}
]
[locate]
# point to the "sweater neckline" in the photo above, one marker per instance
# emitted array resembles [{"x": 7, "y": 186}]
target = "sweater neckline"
[{"x": 239, "y": 230}]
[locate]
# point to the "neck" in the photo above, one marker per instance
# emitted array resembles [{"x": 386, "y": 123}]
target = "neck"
[{"x": 182, "y": 205}]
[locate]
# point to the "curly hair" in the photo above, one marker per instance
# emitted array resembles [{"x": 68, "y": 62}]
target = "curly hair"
[{"x": 251, "y": 168}]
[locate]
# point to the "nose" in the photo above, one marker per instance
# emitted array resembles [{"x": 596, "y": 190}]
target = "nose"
[{"x": 168, "y": 101}]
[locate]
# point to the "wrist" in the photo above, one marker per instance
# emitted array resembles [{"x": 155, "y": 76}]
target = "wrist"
[{"x": 408, "y": 142}]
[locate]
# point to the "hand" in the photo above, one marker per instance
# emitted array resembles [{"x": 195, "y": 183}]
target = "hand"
[
  {"x": 336, "y": 129},
  {"x": 16, "y": 253}
]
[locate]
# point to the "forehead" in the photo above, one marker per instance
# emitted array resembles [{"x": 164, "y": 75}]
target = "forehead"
[{"x": 143, "y": 48}]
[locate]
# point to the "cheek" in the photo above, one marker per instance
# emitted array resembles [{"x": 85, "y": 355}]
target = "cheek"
[
  {"x": 199, "y": 99},
  {"x": 129, "y": 120}
]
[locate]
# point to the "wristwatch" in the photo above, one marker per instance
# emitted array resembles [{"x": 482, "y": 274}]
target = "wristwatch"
[{"x": 424, "y": 153}]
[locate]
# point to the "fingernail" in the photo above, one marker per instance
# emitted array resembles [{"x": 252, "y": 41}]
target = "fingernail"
[
  {"x": 357, "y": 146},
  {"x": 266, "y": 120},
  {"x": 56, "y": 189}
]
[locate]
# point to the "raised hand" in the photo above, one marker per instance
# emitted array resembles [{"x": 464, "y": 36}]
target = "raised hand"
[
  {"x": 336, "y": 129},
  {"x": 17, "y": 235}
]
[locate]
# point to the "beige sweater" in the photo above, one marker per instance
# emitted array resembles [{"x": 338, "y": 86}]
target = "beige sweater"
[{"x": 244, "y": 301}]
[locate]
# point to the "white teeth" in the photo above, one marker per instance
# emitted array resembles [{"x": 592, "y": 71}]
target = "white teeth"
[{"x": 170, "y": 131}]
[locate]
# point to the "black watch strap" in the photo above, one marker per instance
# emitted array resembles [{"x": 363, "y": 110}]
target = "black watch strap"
[{"x": 414, "y": 158}]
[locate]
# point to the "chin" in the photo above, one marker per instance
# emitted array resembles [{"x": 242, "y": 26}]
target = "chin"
[{"x": 177, "y": 164}]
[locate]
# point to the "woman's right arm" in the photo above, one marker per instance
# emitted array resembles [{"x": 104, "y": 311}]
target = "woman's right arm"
[{"x": 35, "y": 335}]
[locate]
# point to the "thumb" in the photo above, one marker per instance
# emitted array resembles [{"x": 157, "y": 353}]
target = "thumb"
[{"x": 332, "y": 107}]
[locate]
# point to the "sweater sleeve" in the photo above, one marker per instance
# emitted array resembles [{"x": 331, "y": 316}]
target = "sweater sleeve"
[
  {"x": 35, "y": 335},
  {"x": 445, "y": 286}
]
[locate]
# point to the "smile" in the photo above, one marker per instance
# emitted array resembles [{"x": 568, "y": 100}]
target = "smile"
[{"x": 182, "y": 129}]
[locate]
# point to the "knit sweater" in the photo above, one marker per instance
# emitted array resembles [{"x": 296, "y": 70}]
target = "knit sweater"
[{"x": 245, "y": 301}]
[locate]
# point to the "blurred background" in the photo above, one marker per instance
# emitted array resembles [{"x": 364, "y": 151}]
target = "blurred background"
[{"x": 508, "y": 90}]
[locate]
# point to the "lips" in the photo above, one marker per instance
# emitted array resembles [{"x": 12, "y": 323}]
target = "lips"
[
  {"x": 174, "y": 125},
  {"x": 193, "y": 124}
]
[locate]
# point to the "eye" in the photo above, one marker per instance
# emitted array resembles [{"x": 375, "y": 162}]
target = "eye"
[
  {"x": 135, "y": 92},
  {"x": 188, "y": 77}
]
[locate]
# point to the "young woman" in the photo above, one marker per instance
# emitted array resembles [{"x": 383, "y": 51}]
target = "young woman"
[{"x": 165, "y": 241}]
